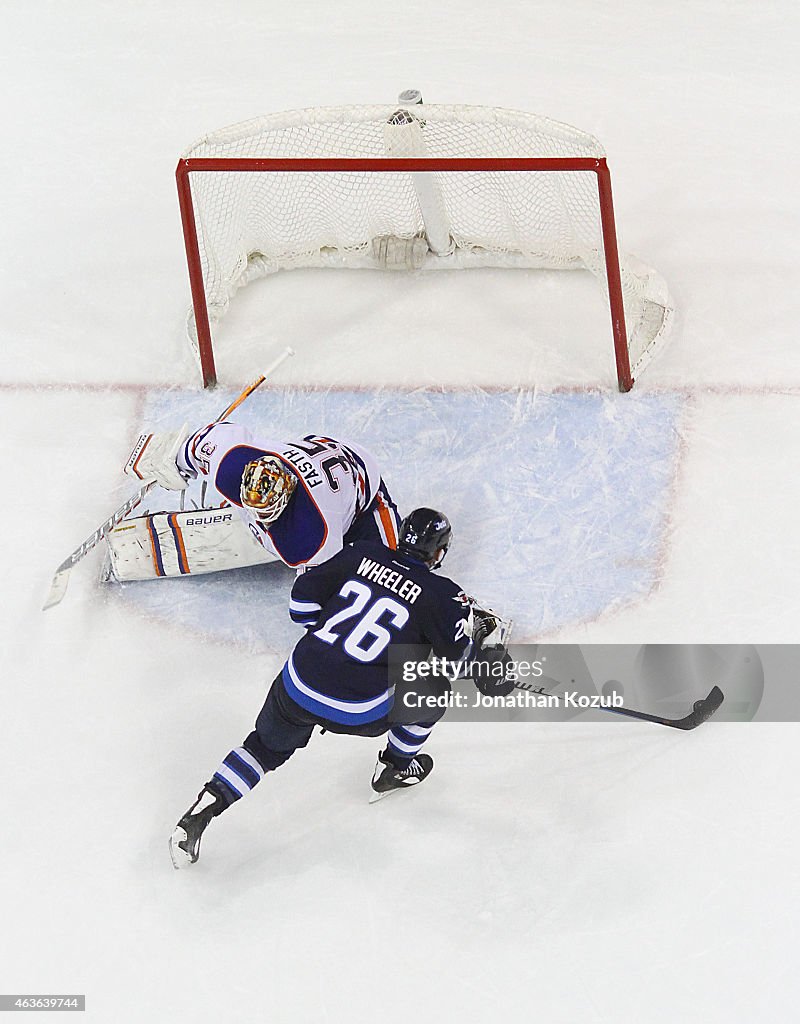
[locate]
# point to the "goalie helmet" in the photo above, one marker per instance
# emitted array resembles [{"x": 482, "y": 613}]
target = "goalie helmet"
[
  {"x": 267, "y": 486},
  {"x": 425, "y": 534}
]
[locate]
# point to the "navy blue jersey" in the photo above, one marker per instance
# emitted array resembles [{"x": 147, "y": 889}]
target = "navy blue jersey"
[{"x": 353, "y": 607}]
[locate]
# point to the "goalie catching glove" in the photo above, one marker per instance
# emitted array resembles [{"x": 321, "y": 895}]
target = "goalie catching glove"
[{"x": 153, "y": 458}]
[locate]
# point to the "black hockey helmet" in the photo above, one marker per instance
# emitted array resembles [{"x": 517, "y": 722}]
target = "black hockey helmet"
[{"x": 423, "y": 534}]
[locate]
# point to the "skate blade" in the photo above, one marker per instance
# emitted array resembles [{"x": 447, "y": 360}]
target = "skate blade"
[{"x": 375, "y": 796}]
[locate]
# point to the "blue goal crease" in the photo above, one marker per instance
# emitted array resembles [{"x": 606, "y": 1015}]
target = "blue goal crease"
[{"x": 559, "y": 502}]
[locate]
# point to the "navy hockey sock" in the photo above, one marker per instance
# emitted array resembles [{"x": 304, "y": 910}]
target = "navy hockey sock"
[
  {"x": 238, "y": 774},
  {"x": 404, "y": 742}
]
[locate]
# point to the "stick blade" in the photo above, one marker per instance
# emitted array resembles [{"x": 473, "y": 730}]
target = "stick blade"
[
  {"x": 703, "y": 709},
  {"x": 58, "y": 588}
]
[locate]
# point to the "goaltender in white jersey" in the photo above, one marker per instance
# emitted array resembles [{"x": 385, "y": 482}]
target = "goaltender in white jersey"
[{"x": 263, "y": 499}]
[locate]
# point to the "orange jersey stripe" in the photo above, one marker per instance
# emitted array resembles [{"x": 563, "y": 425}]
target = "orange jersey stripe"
[{"x": 387, "y": 521}]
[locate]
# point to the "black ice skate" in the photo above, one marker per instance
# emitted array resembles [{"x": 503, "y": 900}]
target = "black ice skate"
[
  {"x": 184, "y": 843},
  {"x": 387, "y": 777}
]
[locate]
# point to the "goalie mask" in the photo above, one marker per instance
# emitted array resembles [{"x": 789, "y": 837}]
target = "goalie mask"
[{"x": 267, "y": 486}]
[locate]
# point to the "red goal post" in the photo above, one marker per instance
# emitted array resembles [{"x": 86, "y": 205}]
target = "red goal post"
[{"x": 249, "y": 215}]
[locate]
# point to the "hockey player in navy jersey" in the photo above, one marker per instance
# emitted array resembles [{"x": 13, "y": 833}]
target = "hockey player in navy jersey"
[{"x": 337, "y": 677}]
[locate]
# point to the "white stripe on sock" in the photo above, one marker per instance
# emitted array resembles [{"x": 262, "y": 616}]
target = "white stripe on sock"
[
  {"x": 236, "y": 782},
  {"x": 406, "y": 748}
]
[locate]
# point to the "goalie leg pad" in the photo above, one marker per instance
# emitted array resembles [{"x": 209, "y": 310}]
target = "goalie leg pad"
[{"x": 182, "y": 544}]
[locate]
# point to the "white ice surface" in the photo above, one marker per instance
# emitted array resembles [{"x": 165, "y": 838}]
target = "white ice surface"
[{"x": 570, "y": 873}]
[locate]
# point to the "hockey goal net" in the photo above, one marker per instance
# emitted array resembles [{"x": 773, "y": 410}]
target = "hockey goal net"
[{"x": 408, "y": 187}]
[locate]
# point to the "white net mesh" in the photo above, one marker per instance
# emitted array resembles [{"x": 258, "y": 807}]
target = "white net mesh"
[{"x": 254, "y": 223}]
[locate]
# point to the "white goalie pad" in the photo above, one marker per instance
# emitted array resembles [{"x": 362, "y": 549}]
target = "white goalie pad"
[{"x": 182, "y": 544}]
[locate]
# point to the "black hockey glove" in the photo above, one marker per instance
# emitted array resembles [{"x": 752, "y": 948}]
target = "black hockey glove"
[
  {"x": 492, "y": 673},
  {"x": 485, "y": 623}
]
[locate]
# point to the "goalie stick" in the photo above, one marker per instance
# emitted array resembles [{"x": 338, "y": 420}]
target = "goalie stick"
[{"x": 58, "y": 587}]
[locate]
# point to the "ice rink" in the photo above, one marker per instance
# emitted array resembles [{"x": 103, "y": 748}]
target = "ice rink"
[{"x": 559, "y": 873}]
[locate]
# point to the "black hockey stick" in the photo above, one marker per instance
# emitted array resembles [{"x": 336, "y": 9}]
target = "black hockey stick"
[{"x": 703, "y": 710}]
